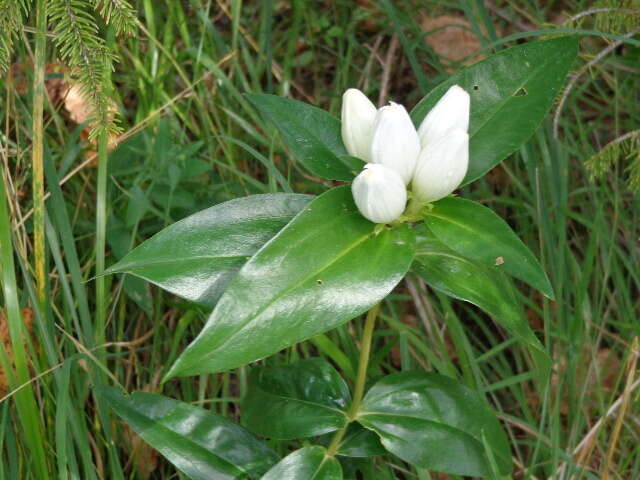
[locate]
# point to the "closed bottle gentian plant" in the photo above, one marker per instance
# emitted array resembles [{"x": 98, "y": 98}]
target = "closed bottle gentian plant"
[
  {"x": 432, "y": 160},
  {"x": 278, "y": 269}
]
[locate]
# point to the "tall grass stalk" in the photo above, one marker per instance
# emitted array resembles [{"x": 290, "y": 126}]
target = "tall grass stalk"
[
  {"x": 37, "y": 152},
  {"x": 101, "y": 228},
  {"x": 25, "y": 401}
]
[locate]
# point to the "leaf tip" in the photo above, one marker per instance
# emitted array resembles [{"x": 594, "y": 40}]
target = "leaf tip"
[
  {"x": 169, "y": 375},
  {"x": 547, "y": 289},
  {"x": 180, "y": 368},
  {"x": 113, "y": 269}
]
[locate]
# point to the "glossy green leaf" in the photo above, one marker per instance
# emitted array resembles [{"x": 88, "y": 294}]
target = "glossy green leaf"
[
  {"x": 119, "y": 240},
  {"x": 486, "y": 287},
  {"x": 312, "y": 134},
  {"x": 360, "y": 442},
  {"x": 325, "y": 267},
  {"x": 197, "y": 256},
  {"x": 308, "y": 463},
  {"x": 511, "y": 92},
  {"x": 299, "y": 400},
  {"x": 201, "y": 444},
  {"x": 476, "y": 232},
  {"x": 435, "y": 422}
]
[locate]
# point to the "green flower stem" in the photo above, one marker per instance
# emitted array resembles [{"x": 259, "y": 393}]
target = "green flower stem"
[
  {"x": 413, "y": 213},
  {"x": 363, "y": 364},
  {"x": 414, "y": 209},
  {"x": 37, "y": 154}
]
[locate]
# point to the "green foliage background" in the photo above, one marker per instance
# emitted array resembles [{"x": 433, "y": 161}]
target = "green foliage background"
[{"x": 190, "y": 139}]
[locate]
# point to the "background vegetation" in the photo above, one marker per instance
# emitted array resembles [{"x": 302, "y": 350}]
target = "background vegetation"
[{"x": 187, "y": 139}]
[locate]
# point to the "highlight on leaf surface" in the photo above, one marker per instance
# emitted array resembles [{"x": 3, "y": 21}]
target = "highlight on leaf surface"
[
  {"x": 299, "y": 400},
  {"x": 196, "y": 257},
  {"x": 199, "y": 443},
  {"x": 501, "y": 118},
  {"x": 435, "y": 422},
  {"x": 277, "y": 300}
]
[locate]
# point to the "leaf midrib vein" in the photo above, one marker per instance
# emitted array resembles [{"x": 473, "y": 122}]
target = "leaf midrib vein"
[
  {"x": 425, "y": 252},
  {"x": 196, "y": 444},
  {"x": 173, "y": 260},
  {"x": 285, "y": 292},
  {"x": 479, "y": 234},
  {"x": 306, "y": 402},
  {"x": 428, "y": 421},
  {"x": 320, "y": 142},
  {"x": 414, "y": 417},
  {"x": 507, "y": 98}
]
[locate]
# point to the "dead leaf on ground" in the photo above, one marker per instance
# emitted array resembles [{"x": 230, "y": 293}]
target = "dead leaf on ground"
[
  {"x": 81, "y": 111},
  {"x": 143, "y": 456},
  {"x": 74, "y": 102},
  {"x": 62, "y": 90},
  {"x": 5, "y": 339},
  {"x": 498, "y": 178},
  {"x": 54, "y": 80},
  {"x": 451, "y": 38},
  {"x": 395, "y": 355}
]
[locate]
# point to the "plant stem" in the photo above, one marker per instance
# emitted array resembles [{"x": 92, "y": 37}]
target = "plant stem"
[
  {"x": 363, "y": 364},
  {"x": 115, "y": 469},
  {"x": 101, "y": 228},
  {"x": 101, "y": 202},
  {"x": 37, "y": 154}
]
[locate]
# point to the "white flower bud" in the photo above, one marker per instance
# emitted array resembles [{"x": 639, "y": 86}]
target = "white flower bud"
[
  {"x": 451, "y": 112},
  {"x": 358, "y": 115},
  {"x": 441, "y": 166},
  {"x": 379, "y": 193},
  {"x": 395, "y": 143}
]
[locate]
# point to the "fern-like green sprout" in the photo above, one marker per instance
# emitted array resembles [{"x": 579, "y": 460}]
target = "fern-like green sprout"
[
  {"x": 623, "y": 16},
  {"x": 625, "y": 148},
  {"x": 11, "y": 14},
  {"x": 80, "y": 46},
  {"x": 117, "y": 13},
  {"x": 634, "y": 172}
]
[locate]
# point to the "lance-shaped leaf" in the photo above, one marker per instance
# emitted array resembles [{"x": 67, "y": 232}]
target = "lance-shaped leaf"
[
  {"x": 299, "y": 400},
  {"x": 511, "y": 92},
  {"x": 486, "y": 287},
  {"x": 196, "y": 257},
  {"x": 435, "y": 422},
  {"x": 201, "y": 444},
  {"x": 328, "y": 265},
  {"x": 476, "y": 232},
  {"x": 308, "y": 463},
  {"x": 312, "y": 134}
]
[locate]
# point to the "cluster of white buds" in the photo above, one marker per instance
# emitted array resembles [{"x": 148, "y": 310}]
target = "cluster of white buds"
[{"x": 432, "y": 160}]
